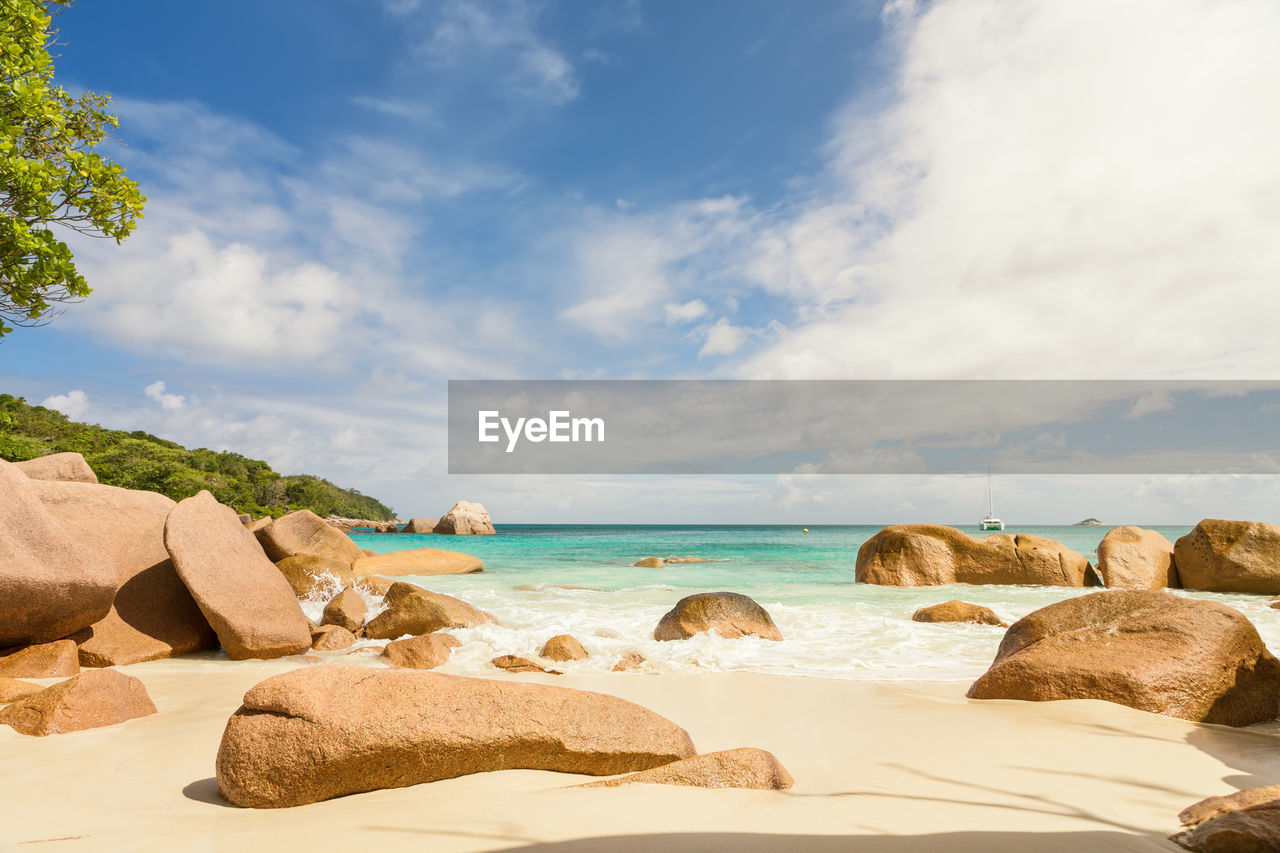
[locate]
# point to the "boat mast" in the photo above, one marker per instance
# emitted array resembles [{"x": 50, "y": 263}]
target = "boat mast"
[{"x": 991, "y": 496}]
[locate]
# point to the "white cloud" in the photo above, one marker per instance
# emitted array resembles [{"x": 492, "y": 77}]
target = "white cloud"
[
  {"x": 505, "y": 34},
  {"x": 155, "y": 391},
  {"x": 1155, "y": 401},
  {"x": 685, "y": 312},
  {"x": 723, "y": 339},
  {"x": 1077, "y": 189},
  {"x": 73, "y": 404},
  {"x": 405, "y": 108}
]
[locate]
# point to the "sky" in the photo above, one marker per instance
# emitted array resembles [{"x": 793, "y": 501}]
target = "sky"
[{"x": 352, "y": 202}]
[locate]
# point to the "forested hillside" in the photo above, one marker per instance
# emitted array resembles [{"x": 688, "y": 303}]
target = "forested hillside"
[{"x": 139, "y": 460}]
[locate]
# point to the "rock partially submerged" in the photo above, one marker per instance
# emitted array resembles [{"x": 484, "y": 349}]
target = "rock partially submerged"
[
  {"x": 650, "y": 563},
  {"x": 426, "y": 652},
  {"x": 414, "y": 610},
  {"x": 729, "y": 614},
  {"x": 419, "y": 561},
  {"x": 305, "y": 572},
  {"x": 745, "y": 767},
  {"x": 50, "y": 584},
  {"x": 1136, "y": 558},
  {"x": 628, "y": 662},
  {"x": 419, "y": 525},
  {"x": 332, "y": 638},
  {"x": 64, "y": 467},
  {"x": 931, "y": 554},
  {"x": 347, "y": 609},
  {"x": 515, "y": 663},
  {"x": 958, "y": 611},
  {"x": 44, "y": 660},
  {"x": 1247, "y": 821},
  {"x": 322, "y": 732},
  {"x": 243, "y": 596},
  {"x": 1230, "y": 556},
  {"x": 153, "y": 615},
  {"x": 1197, "y": 660},
  {"x": 563, "y": 647},
  {"x": 465, "y": 518},
  {"x": 99, "y": 697}
]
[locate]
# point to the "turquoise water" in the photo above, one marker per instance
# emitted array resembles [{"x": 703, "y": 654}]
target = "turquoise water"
[{"x": 833, "y": 626}]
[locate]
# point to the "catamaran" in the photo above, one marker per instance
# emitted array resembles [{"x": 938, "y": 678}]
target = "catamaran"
[{"x": 989, "y": 521}]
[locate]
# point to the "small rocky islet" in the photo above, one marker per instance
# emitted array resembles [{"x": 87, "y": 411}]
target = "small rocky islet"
[{"x": 96, "y": 577}]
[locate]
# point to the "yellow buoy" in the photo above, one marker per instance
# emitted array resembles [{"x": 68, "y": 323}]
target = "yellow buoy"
[{"x": 805, "y": 530}]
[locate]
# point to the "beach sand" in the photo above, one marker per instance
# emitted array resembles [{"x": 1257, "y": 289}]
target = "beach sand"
[{"x": 879, "y": 767}]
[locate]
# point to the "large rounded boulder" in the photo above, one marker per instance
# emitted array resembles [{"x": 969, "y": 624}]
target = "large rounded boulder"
[
  {"x": 419, "y": 525},
  {"x": 1150, "y": 650},
  {"x": 241, "y": 593},
  {"x": 465, "y": 518},
  {"x": 304, "y": 532},
  {"x": 51, "y": 585},
  {"x": 1230, "y": 556},
  {"x": 958, "y": 611},
  {"x": 932, "y": 554},
  {"x": 153, "y": 615},
  {"x": 323, "y": 732},
  {"x": 1136, "y": 558},
  {"x": 90, "y": 700},
  {"x": 729, "y": 614}
]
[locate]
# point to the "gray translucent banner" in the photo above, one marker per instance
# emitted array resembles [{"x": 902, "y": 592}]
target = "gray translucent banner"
[{"x": 863, "y": 427}]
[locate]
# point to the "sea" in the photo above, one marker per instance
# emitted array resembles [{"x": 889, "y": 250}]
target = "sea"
[{"x": 543, "y": 580}]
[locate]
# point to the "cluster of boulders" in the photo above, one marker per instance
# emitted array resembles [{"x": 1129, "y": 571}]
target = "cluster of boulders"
[
  {"x": 1216, "y": 556},
  {"x": 465, "y": 518}
]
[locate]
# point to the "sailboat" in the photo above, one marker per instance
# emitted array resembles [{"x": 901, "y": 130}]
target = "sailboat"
[{"x": 989, "y": 521}]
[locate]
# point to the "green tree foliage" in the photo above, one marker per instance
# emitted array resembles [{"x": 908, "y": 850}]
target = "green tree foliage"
[
  {"x": 50, "y": 173},
  {"x": 139, "y": 460}
]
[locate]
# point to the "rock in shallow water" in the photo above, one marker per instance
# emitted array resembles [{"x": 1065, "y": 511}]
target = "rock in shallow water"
[
  {"x": 1136, "y": 558},
  {"x": 247, "y": 601},
  {"x": 745, "y": 767},
  {"x": 932, "y": 554},
  {"x": 729, "y": 614},
  {"x": 324, "y": 732},
  {"x": 1150, "y": 650},
  {"x": 346, "y": 609},
  {"x": 1230, "y": 556},
  {"x": 413, "y": 610},
  {"x": 563, "y": 647},
  {"x": 466, "y": 517},
  {"x": 515, "y": 663},
  {"x": 426, "y": 652},
  {"x": 958, "y": 611},
  {"x": 99, "y": 697}
]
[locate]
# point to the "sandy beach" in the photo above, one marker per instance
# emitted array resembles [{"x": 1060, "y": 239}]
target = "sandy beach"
[{"x": 894, "y": 767}]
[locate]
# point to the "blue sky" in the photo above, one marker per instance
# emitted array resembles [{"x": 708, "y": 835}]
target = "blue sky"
[{"x": 353, "y": 202}]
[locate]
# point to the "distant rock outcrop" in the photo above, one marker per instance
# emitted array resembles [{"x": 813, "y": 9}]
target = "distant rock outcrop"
[
  {"x": 419, "y": 525},
  {"x": 1088, "y": 522},
  {"x": 465, "y": 518}
]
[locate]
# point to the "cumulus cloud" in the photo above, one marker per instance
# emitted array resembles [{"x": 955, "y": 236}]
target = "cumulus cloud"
[
  {"x": 73, "y": 404},
  {"x": 155, "y": 391},
  {"x": 685, "y": 312},
  {"x": 1053, "y": 189},
  {"x": 723, "y": 339}
]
